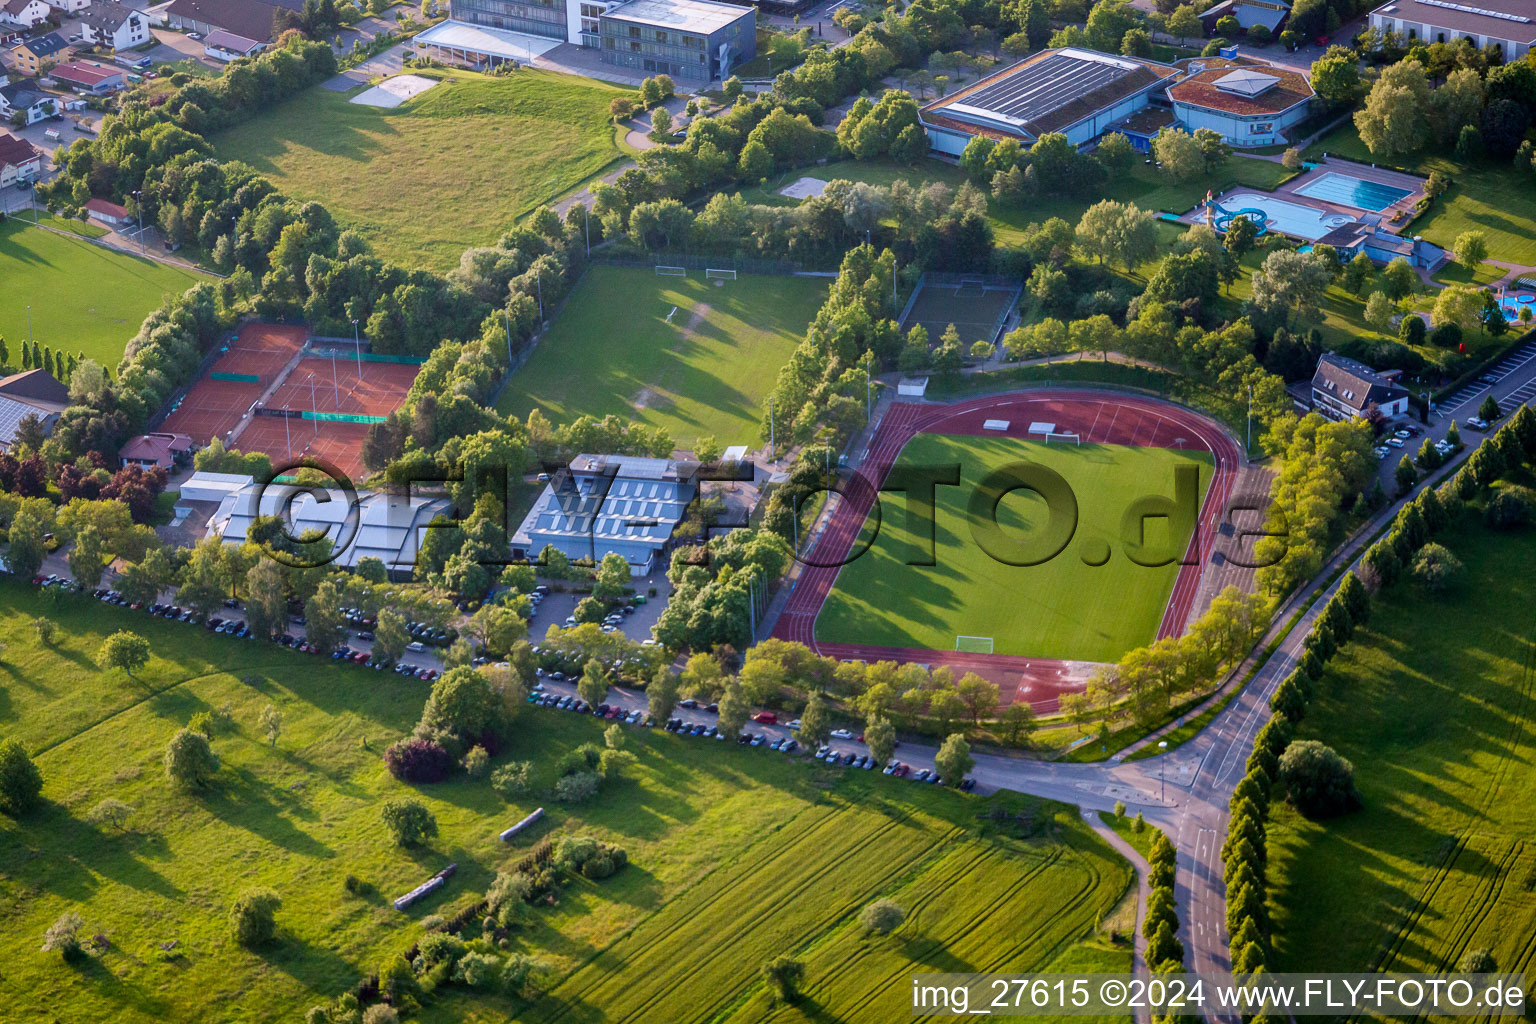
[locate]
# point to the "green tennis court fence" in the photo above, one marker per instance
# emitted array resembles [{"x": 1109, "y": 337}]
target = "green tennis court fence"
[
  {"x": 238, "y": 378},
  {"x": 342, "y": 417}
]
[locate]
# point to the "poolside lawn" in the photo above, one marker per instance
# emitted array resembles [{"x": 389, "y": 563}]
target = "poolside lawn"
[{"x": 1491, "y": 196}]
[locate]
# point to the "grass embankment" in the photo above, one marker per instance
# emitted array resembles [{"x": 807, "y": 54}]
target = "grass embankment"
[
  {"x": 1432, "y": 704},
  {"x": 82, "y": 297},
  {"x": 447, "y": 170},
  {"x": 673, "y": 352},
  {"x": 898, "y": 593},
  {"x": 736, "y": 855}
]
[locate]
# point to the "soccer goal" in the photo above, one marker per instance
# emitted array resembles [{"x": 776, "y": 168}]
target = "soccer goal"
[
  {"x": 1062, "y": 437},
  {"x": 671, "y": 271},
  {"x": 721, "y": 275},
  {"x": 973, "y": 644}
]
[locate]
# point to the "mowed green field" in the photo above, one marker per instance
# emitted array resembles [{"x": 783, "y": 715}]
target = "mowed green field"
[
  {"x": 1433, "y": 704},
  {"x": 736, "y": 855},
  {"x": 1062, "y": 608},
  {"x": 1491, "y": 196},
  {"x": 84, "y": 298},
  {"x": 450, "y": 169},
  {"x": 706, "y": 373}
]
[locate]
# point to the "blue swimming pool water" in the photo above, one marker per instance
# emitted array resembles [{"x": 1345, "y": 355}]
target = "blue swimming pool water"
[{"x": 1350, "y": 191}]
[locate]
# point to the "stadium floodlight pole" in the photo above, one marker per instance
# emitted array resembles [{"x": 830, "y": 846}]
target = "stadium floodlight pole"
[
  {"x": 508, "y": 318},
  {"x": 1250, "y": 417},
  {"x": 357, "y": 345},
  {"x": 1162, "y": 771},
  {"x": 770, "y": 422},
  {"x": 29, "y": 326},
  {"x": 139, "y": 195},
  {"x": 538, "y": 277}
]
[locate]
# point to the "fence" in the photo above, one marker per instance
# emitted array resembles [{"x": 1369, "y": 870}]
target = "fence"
[
  {"x": 740, "y": 264},
  {"x": 203, "y": 366}
]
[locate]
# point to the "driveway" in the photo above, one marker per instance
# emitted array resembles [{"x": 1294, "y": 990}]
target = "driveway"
[{"x": 176, "y": 46}]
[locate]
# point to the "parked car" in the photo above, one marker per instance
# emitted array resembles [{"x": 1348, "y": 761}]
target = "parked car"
[
  {"x": 765, "y": 718},
  {"x": 841, "y": 734}
]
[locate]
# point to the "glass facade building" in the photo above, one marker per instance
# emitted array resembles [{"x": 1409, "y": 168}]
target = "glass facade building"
[
  {"x": 685, "y": 39},
  {"x": 535, "y": 17}
]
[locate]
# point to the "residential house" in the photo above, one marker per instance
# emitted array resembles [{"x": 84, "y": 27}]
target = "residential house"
[
  {"x": 228, "y": 46},
  {"x": 1344, "y": 389},
  {"x": 24, "y": 13},
  {"x": 69, "y": 6},
  {"x": 88, "y": 77},
  {"x": 29, "y": 393},
  {"x": 32, "y": 55},
  {"x": 149, "y": 451},
  {"x": 26, "y": 99},
  {"x": 114, "y": 24},
  {"x": 19, "y": 161}
]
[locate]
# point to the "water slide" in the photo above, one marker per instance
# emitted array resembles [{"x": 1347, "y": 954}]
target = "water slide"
[{"x": 1224, "y": 216}]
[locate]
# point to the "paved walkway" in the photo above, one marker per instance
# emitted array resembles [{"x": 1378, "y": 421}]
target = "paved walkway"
[{"x": 1143, "y": 893}]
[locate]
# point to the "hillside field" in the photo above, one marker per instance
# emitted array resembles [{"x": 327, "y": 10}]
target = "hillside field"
[
  {"x": 707, "y": 372},
  {"x": 735, "y": 854},
  {"x": 1432, "y": 702},
  {"x": 83, "y": 298},
  {"x": 1062, "y": 608},
  {"x": 447, "y": 170}
]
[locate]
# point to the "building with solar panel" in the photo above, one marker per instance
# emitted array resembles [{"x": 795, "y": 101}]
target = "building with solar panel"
[
  {"x": 1508, "y": 24},
  {"x": 1249, "y": 104},
  {"x": 610, "y": 504},
  {"x": 1079, "y": 93}
]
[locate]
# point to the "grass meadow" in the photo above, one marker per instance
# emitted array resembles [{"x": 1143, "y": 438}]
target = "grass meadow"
[
  {"x": 1062, "y": 608},
  {"x": 447, "y": 170},
  {"x": 736, "y": 855},
  {"x": 84, "y": 298},
  {"x": 1432, "y": 702},
  {"x": 1491, "y": 196},
  {"x": 706, "y": 373}
]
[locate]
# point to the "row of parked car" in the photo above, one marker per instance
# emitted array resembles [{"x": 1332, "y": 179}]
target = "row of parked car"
[{"x": 541, "y": 697}]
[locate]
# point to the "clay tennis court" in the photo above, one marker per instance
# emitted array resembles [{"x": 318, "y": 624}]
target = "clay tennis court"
[
  {"x": 321, "y": 385},
  {"x": 212, "y": 408}
]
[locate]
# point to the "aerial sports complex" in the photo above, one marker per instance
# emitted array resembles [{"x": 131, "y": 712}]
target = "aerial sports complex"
[{"x": 897, "y": 574}]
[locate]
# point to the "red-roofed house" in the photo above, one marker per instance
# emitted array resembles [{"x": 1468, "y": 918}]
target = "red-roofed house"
[
  {"x": 88, "y": 76},
  {"x": 152, "y": 450},
  {"x": 107, "y": 213},
  {"x": 18, "y": 160}
]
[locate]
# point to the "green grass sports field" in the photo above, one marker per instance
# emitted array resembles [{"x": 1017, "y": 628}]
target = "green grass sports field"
[
  {"x": 1432, "y": 702},
  {"x": 736, "y": 855},
  {"x": 706, "y": 373},
  {"x": 84, "y": 298},
  {"x": 447, "y": 170},
  {"x": 1062, "y": 608}
]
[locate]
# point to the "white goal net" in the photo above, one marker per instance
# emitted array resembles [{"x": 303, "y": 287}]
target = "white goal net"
[
  {"x": 721, "y": 275},
  {"x": 973, "y": 644},
  {"x": 1062, "y": 438},
  {"x": 671, "y": 271}
]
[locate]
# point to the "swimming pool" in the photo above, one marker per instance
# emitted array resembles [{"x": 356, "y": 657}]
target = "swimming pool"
[
  {"x": 1514, "y": 303},
  {"x": 1351, "y": 191},
  {"x": 1287, "y": 218}
]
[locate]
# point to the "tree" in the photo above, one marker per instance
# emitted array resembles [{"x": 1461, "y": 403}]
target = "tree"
[
  {"x": 87, "y": 558},
  {"x": 1180, "y": 154},
  {"x": 881, "y": 917},
  {"x": 324, "y": 625},
  {"x": 1436, "y": 568},
  {"x": 189, "y": 761},
  {"x": 1118, "y": 232},
  {"x": 661, "y": 124},
  {"x": 1489, "y": 409},
  {"x": 1393, "y": 120},
  {"x": 610, "y": 577},
  {"x": 125, "y": 650},
  {"x": 735, "y": 709},
  {"x": 109, "y": 813},
  {"x": 815, "y": 723},
  {"x": 1184, "y": 22},
  {"x": 954, "y": 759},
  {"x": 593, "y": 685},
  {"x": 880, "y": 737},
  {"x": 1240, "y": 236},
  {"x": 20, "y": 782},
  {"x": 979, "y": 696},
  {"x": 270, "y": 722},
  {"x": 1461, "y": 305},
  {"x": 391, "y": 636},
  {"x": 408, "y": 821},
  {"x": 1317, "y": 780},
  {"x": 1018, "y": 722},
  {"x": 1336, "y": 75},
  {"x": 1398, "y": 278},
  {"x": 1471, "y": 248},
  {"x": 784, "y": 974},
  {"x": 253, "y": 916},
  {"x": 24, "y": 556},
  {"x": 462, "y": 704},
  {"x": 1378, "y": 312},
  {"x": 46, "y": 629},
  {"x": 661, "y": 695}
]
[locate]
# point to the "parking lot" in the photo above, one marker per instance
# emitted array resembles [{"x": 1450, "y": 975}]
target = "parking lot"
[{"x": 557, "y": 607}]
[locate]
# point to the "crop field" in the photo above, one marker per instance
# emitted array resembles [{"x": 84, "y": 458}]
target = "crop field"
[
  {"x": 1063, "y": 608},
  {"x": 673, "y": 352},
  {"x": 1432, "y": 702},
  {"x": 83, "y": 298},
  {"x": 735, "y": 854},
  {"x": 1491, "y": 196},
  {"x": 447, "y": 170}
]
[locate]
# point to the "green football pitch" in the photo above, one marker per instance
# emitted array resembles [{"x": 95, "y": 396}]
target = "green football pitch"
[
  {"x": 694, "y": 357},
  {"x": 1061, "y": 608}
]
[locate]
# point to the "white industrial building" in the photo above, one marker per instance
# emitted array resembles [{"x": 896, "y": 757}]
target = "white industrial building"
[{"x": 1507, "y": 24}]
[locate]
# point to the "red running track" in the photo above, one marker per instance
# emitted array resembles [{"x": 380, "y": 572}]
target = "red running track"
[{"x": 1101, "y": 417}]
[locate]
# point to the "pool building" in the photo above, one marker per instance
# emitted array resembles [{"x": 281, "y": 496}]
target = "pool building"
[{"x": 1250, "y": 105}]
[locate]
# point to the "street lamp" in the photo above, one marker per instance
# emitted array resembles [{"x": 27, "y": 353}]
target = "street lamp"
[
  {"x": 29, "y": 326},
  {"x": 357, "y": 346},
  {"x": 1162, "y": 771}
]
